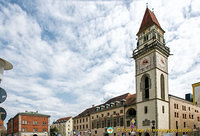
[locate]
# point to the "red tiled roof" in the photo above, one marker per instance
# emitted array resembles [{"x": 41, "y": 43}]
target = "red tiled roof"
[
  {"x": 118, "y": 98},
  {"x": 62, "y": 119},
  {"x": 130, "y": 99},
  {"x": 148, "y": 20}
]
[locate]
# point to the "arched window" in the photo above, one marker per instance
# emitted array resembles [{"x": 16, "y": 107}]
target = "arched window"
[
  {"x": 146, "y": 88},
  {"x": 162, "y": 85}
]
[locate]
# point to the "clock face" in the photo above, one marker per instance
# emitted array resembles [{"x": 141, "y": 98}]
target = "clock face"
[
  {"x": 162, "y": 63},
  {"x": 144, "y": 62}
]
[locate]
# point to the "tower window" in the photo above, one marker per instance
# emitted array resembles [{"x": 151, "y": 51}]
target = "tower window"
[
  {"x": 162, "y": 84},
  {"x": 146, "y": 88},
  {"x": 145, "y": 109},
  {"x": 163, "y": 109},
  {"x": 145, "y": 85}
]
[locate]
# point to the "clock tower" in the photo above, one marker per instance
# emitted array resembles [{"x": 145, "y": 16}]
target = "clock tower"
[{"x": 151, "y": 61}]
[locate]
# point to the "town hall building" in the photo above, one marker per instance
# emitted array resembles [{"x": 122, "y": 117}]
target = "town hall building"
[{"x": 152, "y": 108}]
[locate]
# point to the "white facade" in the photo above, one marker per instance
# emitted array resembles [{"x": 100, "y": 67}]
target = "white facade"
[{"x": 64, "y": 126}]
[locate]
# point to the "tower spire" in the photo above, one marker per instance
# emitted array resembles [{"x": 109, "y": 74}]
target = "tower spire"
[{"x": 147, "y": 5}]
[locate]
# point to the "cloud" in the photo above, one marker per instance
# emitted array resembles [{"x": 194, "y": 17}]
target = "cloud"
[{"x": 70, "y": 55}]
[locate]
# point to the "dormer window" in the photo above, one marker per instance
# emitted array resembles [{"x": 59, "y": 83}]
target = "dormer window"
[
  {"x": 111, "y": 104},
  {"x": 117, "y": 103},
  {"x": 102, "y": 107},
  {"x": 123, "y": 101},
  {"x": 97, "y": 108},
  {"x": 107, "y": 105}
]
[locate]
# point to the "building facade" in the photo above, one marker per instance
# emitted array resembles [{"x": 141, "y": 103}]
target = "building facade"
[
  {"x": 118, "y": 112},
  {"x": 29, "y": 124},
  {"x": 184, "y": 115},
  {"x": 64, "y": 126},
  {"x": 153, "y": 110}
]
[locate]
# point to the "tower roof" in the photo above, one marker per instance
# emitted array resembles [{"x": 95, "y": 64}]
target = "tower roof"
[{"x": 148, "y": 20}]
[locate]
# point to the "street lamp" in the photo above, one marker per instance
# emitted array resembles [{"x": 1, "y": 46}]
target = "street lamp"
[
  {"x": 153, "y": 126},
  {"x": 4, "y": 65}
]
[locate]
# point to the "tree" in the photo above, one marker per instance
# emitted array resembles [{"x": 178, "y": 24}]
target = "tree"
[{"x": 53, "y": 131}]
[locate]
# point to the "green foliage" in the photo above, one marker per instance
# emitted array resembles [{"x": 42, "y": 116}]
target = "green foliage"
[{"x": 53, "y": 131}]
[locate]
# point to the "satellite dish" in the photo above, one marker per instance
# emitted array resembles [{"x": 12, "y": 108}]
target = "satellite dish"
[
  {"x": 3, "y": 114},
  {"x": 3, "y": 95}
]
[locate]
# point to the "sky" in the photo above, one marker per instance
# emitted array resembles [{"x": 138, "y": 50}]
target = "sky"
[{"x": 69, "y": 55}]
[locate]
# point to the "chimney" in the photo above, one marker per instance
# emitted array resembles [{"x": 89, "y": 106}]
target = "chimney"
[{"x": 189, "y": 97}]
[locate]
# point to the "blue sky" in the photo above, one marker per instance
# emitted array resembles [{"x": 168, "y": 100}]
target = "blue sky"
[{"x": 69, "y": 55}]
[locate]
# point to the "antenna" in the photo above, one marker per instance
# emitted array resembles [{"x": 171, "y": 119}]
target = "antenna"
[{"x": 147, "y": 5}]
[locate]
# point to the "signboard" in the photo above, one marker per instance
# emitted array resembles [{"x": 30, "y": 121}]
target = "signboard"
[
  {"x": 110, "y": 130},
  {"x": 3, "y": 95},
  {"x": 196, "y": 93},
  {"x": 3, "y": 114}
]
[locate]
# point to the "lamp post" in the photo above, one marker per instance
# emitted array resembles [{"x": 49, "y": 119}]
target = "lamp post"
[{"x": 153, "y": 126}]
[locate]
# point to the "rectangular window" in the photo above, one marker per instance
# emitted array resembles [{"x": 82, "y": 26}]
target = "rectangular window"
[
  {"x": 163, "y": 109},
  {"x": 145, "y": 109},
  {"x": 108, "y": 114},
  {"x": 22, "y": 121},
  {"x": 77, "y": 121},
  {"x": 115, "y": 122},
  {"x": 33, "y": 129},
  {"x": 114, "y": 112},
  {"x": 121, "y": 122},
  {"x": 121, "y": 111},
  {"x": 108, "y": 123},
  {"x": 184, "y": 108},
  {"x": 176, "y": 124},
  {"x": 102, "y": 124},
  {"x": 174, "y": 106},
  {"x": 83, "y": 126},
  {"x": 86, "y": 125},
  {"x": 97, "y": 116},
  {"x": 83, "y": 120},
  {"x": 23, "y": 129},
  {"x": 86, "y": 119},
  {"x": 174, "y": 114},
  {"x": 184, "y": 124},
  {"x": 26, "y": 122},
  {"x": 97, "y": 124},
  {"x": 102, "y": 115},
  {"x": 80, "y": 120}
]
